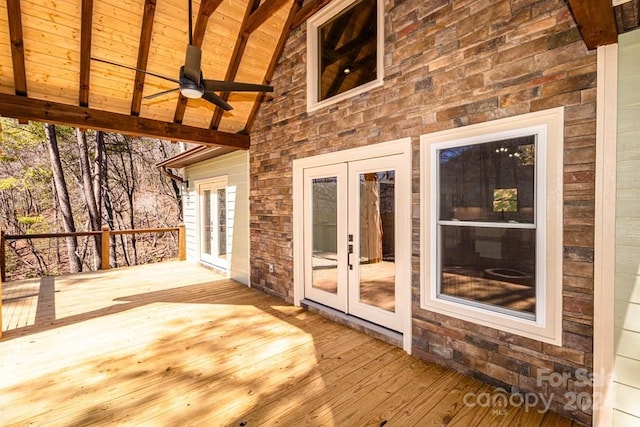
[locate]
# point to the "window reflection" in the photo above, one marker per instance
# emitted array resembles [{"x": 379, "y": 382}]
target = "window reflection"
[
  {"x": 348, "y": 50},
  {"x": 486, "y": 228},
  {"x": 493, "y": 181},
  {"x": 324, "y": 193},
  {"x": 494, "y": 266}
]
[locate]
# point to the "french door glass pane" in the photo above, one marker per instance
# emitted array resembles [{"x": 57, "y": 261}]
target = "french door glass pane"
[
  {"x": 222, "y": 223},
  {"x": 324, "y": 195},
  {"x": 206, "y": 222},
  {"x": 489, "y": 266},
  {"x": 377, "y": 244}
]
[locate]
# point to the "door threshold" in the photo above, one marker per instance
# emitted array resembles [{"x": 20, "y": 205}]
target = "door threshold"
[{"x": 380, "y": 332}]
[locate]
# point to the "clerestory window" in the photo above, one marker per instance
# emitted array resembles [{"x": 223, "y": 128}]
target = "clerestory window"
[{"x": 345, "y": 51}]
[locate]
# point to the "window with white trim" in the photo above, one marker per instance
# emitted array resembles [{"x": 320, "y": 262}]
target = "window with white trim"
[
  {"x": 345, "y": 48},
  {"x": 492, "y": 235}
]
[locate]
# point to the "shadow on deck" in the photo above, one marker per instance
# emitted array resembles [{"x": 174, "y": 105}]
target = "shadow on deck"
[{"x": 174, "y": 344}]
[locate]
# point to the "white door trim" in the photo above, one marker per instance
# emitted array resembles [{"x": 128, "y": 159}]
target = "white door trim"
[
  {"x": 605, "y": 232},
  {"x": 399, "y": 146}
]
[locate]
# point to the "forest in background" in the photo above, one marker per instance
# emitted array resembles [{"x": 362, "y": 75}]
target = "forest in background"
[{"x": 60, "y": 179}]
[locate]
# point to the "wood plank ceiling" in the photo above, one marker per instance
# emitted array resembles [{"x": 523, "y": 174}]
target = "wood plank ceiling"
[
  {"x": 47, "y": 74},
  {"x": 46, "y": 70}
]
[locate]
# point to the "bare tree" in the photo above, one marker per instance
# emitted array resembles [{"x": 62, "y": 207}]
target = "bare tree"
[
  {"x": 88, "y": 191},
  {"x": 63, "y": 197},
  {"x": 98, "y": 165}
]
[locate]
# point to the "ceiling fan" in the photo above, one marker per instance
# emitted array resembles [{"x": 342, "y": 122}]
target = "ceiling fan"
[{"x": 192, "y": 83}]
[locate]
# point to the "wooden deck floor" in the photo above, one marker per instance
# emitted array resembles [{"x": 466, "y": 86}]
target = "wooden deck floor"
[{"x": 175, "y": 344}]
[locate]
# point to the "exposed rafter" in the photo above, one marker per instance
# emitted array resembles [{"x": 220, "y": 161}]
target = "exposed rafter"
[
  {"x": 596, "y": 21},
  {"x": 87, "y": 118},
  {"x": 143, "y": 54},
  {"x": 282, "y": 41},
  {"x": 307, "y": 11},
  {"x": 254, "y": 17},
  {"x": 17, "y": 47},
  {"x": 207, "y": 7},
  {"x": 264, "y": 12},
  {"x": 86, "y": 27},
  {"x": 236, "y": 58}
]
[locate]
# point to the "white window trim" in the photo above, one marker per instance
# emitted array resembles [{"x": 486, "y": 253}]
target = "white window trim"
[
  {"x": 216, "y": 182},
  {"x": 549, "y": 125},
  {"x": 313, "y": 23}
]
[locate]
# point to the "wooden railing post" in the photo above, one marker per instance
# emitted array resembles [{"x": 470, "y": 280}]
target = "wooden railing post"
[
  {"x": 182, "y": 242},
  {"x": 3, "y": 259},
  {"x": 106, "y": 241},
  {"x": 2, "y": 276}
]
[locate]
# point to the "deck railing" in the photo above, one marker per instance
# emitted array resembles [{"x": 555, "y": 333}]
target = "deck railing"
[{"x": 105, "y": 234}]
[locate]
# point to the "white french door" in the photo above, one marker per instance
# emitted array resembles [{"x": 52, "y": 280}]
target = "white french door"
[
  {"x": 213, "y": 223},
  {"x": 352, "y": 237}
]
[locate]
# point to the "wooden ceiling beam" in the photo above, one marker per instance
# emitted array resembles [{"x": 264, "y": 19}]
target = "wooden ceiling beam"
[
  {"x": 264, "y": 12},
  {"x": 308, "y": 11},
  {"x": 207, "y": 7},
  {"x": 288, "y": 26},
  {"x": 143, "y": 55},
  {"x": 86, "y": 26},
  {"x": 17, "y": 47},
  {"x": 236, "y": 58},
  {"x": 87, "y": 118},
  {"x": 596, "y": 21}
]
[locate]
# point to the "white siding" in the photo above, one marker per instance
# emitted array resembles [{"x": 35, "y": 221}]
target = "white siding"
[
  {"x": 235, "y": 167},
  {"x": 627, "y": 286}
]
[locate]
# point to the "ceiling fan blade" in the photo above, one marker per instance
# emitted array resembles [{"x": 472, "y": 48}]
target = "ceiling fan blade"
[
  {"x": 164, "y": 92},
  {"x": 135, "y": 69},
  {"x": 216, "y": 100},
  {"x": 223, "y": 86},
  {"x": 192, "y": 63}
]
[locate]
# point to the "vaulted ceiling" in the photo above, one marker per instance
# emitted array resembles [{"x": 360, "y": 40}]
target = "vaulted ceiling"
[{"x": 47, "y": 72}]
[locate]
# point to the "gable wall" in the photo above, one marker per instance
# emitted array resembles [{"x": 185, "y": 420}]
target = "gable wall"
[{"x": 447, "y": 64}]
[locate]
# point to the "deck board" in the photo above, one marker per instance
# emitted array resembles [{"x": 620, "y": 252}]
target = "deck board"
[{"x": 177, "y": 344}]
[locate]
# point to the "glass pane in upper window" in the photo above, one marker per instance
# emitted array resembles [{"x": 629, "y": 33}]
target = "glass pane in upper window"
[
  {"x": 347, "y": 49},
  {"x": 492, "y": 181}
]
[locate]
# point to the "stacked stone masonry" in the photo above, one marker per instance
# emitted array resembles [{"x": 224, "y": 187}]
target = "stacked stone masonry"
[{"x": 448, "y": 64}]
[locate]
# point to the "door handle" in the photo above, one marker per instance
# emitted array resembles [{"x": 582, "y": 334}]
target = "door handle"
[{"x": 349, "y": 252}]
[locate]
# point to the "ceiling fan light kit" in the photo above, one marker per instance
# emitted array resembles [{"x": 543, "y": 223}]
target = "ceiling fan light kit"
[{"x": 188, "y": 88}]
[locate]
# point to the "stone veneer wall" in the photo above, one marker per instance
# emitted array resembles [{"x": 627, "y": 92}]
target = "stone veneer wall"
[{"x": 449, "y": 64}]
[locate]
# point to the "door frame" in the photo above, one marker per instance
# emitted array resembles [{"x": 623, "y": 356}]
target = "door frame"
[
  {"x": 399, "y": 146},
  {"x": 215, "y": 182}
]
